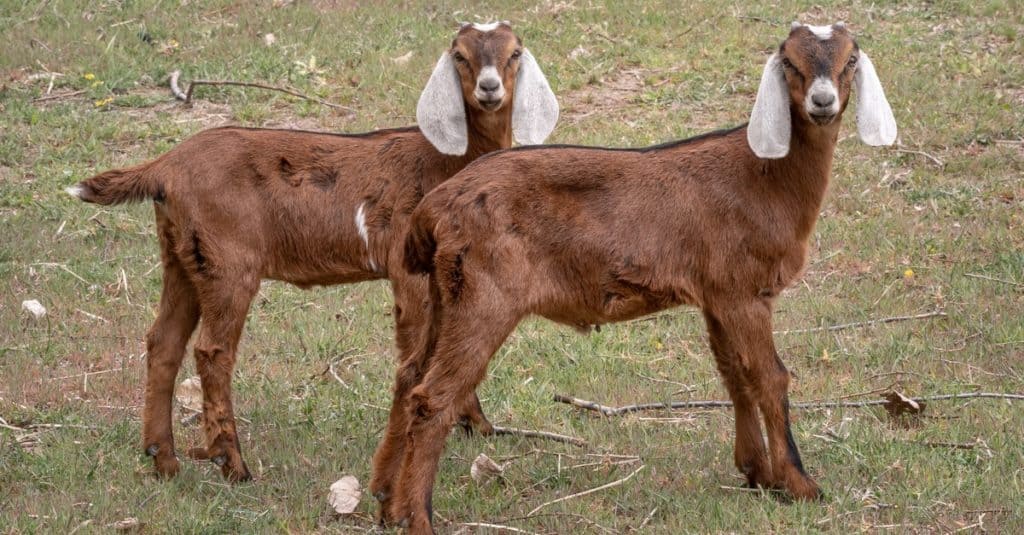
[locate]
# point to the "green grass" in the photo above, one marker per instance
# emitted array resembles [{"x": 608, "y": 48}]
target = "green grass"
[{"x": 626, "y": 74}]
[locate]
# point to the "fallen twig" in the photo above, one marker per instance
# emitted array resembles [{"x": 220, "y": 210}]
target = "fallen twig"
[
  {"x": 934, "y": 160},
  {"x": 586, "y": 492},
  {"x": 993, "y": 279},
  {"x": 842, "y": 326},
  {"x": 58, "y": 96},
  {"x": 186, "y": 96},
  {"x": 710, "y": 404},
  {"x": 529, "y": 433},
  {"x": 498, "y": 527}
]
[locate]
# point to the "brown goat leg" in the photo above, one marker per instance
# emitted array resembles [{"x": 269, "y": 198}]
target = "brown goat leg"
[
  {"x": 473, "y": 418},
  {"x": 165, "y": 349},
  {"x": 749, "y": 453},
  {"x": 224, "y": 307},
  {"x": 466, "y": 344},
  {"x": 749, "y": 327},
  {"x": 387, "y": 460}
]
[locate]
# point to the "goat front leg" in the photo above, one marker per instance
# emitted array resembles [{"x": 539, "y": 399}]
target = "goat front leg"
[
  {"x": 749, "y": 329},
  {"x": 165, "y": 349},
  {"x": 749, "y": 453},
  {"x": 224, "y": 307}
]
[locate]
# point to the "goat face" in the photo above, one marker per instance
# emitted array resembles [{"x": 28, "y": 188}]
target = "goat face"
[
  {"x": 819, "y": 63},
  {"x": 810, "y": 80},
  {"x": 486, "y": 57}
]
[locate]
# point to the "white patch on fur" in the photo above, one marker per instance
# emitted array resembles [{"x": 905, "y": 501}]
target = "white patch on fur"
[
  {"x": 823, "y": 32},
  {"x": 489, "y": 27},
  {"x": 75, "y": 191},
  {"x": 822, "y": 84},
  {"x": 489, "y": 73},
  {"x": 364, "y": 233}
]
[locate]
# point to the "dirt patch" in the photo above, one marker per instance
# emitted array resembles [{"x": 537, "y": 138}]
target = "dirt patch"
[{"x": 613, "y": 95}]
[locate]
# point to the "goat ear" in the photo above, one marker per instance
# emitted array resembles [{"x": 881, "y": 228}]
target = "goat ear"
[
  {"x": 441, "y": 112},
  {"x": 534, "y": 107},
  {"x": 769, "y": 128},
  {"x": 875, "y": 122}
]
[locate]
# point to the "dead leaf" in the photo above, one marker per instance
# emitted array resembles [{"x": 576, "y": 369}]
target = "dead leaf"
[
  {"x": 129, "y": 524},
  {"x": 485, "y": 469},
  {"x": 34, "y": 307},
  {"x": 403, "y": 59},
  {"x": 345, "y": 494},
  {"x": 902, "y": 409},
  {"x": 190, "y": 394}
]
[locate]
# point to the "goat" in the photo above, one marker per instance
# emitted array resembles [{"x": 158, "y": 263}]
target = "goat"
[
  {"x": 238, "y": 205},
  {"x": 586, "y": 235}
]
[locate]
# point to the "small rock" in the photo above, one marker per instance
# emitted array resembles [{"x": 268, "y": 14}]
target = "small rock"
[
  {"x": 35, "y": 308},
  {"x": 485, "y": 469},
  {"x": 345, "y": 495},
  {"x": 190, "y": 393},
  {"x": 269, "y": 39}
]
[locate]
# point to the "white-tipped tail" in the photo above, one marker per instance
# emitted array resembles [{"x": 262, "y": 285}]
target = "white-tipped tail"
[{"x": 74, "y": 191}]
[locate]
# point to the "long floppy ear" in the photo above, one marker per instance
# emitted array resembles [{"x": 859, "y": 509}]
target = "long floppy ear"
[
  {"x": 534, "y": 107},
  {"x": 441, "y": 112},
  {"x": 875, "y": 122},
  {"x": 769, "y": 129}
]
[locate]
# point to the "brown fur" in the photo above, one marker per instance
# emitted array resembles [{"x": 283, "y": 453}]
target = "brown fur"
[
  {"x": 238, "y": 205},
  {"x": 587, "y": 236}
]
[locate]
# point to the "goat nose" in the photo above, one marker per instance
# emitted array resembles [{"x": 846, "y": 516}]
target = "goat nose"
[
  {"x": 489, "y": 84},
  {"x": 823, "y": 99}
]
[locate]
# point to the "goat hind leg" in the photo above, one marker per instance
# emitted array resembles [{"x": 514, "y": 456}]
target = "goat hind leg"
[
  {"x": 165, "y": 349},
  {"x": 464, "y": 348},
  {"x": 224, "y": 308}
]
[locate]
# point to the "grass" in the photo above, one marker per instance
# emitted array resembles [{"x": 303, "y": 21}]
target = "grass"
[{"x": 899, "y": 234}]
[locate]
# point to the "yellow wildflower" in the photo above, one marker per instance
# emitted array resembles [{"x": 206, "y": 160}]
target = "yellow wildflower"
[{"x": 89, "y": 76}]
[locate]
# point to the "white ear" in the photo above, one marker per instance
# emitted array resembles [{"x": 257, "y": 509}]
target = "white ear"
[
  {"x": 534, "y": 107},
  {"x": 769, "y": 128},
  {"x": 875, "y": 122},
  {"x": 441, "y": 112}
]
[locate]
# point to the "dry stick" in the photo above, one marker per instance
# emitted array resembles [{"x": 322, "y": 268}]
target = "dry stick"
[
  {"x": 591, "y": 491},
  {"x": 186, "y": 96},
  {"x": 935, "y": 160},
  {"x": 498, "y": 527},
  {"x": 993, "y": 279},
  {"x": 529, "y": 433},
  {"x": 58, "y": 96},
  {"x": 709, "y": 404},
  {"x": 843, "y": 326}
]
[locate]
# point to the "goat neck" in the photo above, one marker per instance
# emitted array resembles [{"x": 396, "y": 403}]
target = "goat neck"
[
  {"x": 488, "y": 132},
  {"x": 803, "y": 174}
]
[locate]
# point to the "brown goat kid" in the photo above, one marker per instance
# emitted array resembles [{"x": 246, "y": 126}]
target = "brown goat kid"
[
  {"x": 237, "y": 205},
  {"x": 586, "y": 236}
]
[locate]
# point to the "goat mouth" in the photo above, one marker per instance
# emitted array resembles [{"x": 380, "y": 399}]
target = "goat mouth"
[
  {"x": 490, "y": 105},
  {"x": 822, "y": 119}
]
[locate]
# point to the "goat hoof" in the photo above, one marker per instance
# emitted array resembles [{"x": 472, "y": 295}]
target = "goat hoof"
[
  {"x": 219, "y": 460},
  {"x": 382, "y": 496},
  {"x": 166, "y": 466},
  {"x": 152, "y": 450}
]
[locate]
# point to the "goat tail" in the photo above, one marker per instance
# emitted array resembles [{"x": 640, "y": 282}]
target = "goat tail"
[
  {"x": 117, "y": 186},
  {"x": 420, "y": 244}
]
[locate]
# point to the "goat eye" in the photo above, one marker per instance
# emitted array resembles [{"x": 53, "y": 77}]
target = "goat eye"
[
  {"x": 786, "y": 63},
  {"x": 516, "y": 54},
  {"x": 458, "y": 57},
  {"x": 853, "y": 61}
]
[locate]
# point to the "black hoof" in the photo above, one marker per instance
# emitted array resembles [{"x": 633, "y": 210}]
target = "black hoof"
[
  {"x": 219, "y": 460},
  {"x": 152, "y": 450}
]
